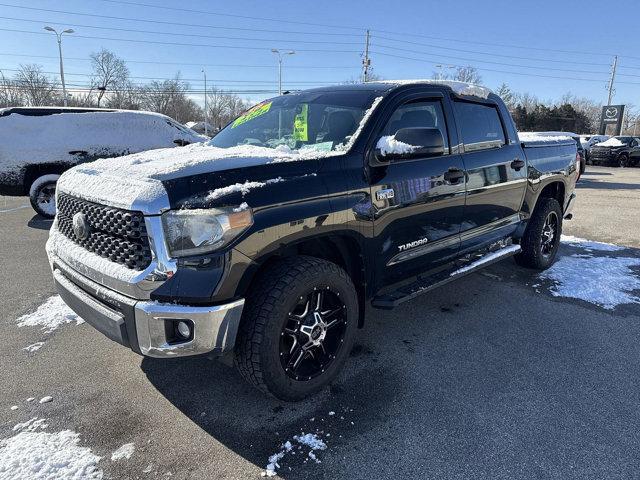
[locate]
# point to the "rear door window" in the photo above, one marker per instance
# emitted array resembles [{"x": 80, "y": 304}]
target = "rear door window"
[{"x": 480, "y": 126}]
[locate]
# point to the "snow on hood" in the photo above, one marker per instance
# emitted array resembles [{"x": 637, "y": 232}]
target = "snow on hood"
[
  {"x": 612, "y": 142},
  {"x": 137, "y": 179}
]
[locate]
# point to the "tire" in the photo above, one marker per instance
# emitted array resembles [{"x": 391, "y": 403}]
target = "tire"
[
  {"x": 623, "y": 160},
  {"x": 42, "y": 195},
  {"x": 273, "y": 311},
  {"x": 538, "y": 250}
]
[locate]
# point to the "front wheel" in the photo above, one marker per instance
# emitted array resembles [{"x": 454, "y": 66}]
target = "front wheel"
[
  {"x": 298, "y": 328},
  {"x": 624, "y": 160},
  {"x": 541, "y": 239},
  {"x": 42, "y": 195}
]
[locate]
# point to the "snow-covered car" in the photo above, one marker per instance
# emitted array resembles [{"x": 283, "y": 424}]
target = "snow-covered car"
[
  {"x": 38, "y": 144},
  {"x": 589, "y": 141}
]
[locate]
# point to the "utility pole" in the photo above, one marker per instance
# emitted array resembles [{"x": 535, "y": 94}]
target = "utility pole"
[
  {"x": 366, "y": 61},
  {"x": 206, "y": 110},
  {"x": 59, "y": 36},
  {"x": 613, "y": 77}
]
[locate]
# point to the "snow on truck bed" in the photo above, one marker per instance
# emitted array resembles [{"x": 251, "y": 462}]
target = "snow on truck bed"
[
  {"x": 45, "y": 139},
  {"x": 544, "y": 137}
]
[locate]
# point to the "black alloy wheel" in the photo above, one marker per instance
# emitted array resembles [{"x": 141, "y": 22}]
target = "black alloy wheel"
[{"x": 313, "y": 334}]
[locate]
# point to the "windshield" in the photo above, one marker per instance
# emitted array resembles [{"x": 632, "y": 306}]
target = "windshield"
[
  {"x": 322, "y": 121},
  {"x": 625, "y": 140}
]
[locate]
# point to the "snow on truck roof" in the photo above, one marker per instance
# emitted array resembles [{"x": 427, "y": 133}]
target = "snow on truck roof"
[
  {"x": 44, "y": 111},
  {"x": 461, "y": 88}
]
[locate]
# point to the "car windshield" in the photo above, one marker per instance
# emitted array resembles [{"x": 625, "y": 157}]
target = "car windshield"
[
  {"x": 625, "y": 140},
  {"x": 322, "y": 121}
]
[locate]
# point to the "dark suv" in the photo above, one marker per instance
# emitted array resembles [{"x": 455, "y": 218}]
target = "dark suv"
[{"x": 622, "y": 151}]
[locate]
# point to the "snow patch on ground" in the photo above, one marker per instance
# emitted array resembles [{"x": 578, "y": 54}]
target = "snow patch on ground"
[
  {"x": 38, "y": 455},
  {"x": 590, "y": 244},
  {"x": 125, "y": 451},
  {"x": 46, "y": 399},
  {"x": 34, "y": 347},
  {"x": 51, "y": 315},
  {"x": 602, "y": 280},
  {"x": 310, "y": 440}
]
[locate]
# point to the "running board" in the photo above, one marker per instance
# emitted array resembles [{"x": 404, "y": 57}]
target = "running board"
[{"x": 425, "y": 284}]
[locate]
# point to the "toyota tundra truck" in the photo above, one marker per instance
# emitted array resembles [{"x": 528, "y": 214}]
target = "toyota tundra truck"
[{"x": 267, "y": 245}]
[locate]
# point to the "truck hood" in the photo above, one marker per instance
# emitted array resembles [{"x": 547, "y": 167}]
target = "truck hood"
[{"x": 139, "y": 181}]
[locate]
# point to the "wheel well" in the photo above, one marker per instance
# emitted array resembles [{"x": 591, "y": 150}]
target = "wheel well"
[
  {"x": 34, "y": 171},
  {"x": 554, "y": 190},
  {"x": 342, "y": 250}
]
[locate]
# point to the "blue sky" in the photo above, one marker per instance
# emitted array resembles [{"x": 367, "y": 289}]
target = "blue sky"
[{"x": 501, "y": 38}]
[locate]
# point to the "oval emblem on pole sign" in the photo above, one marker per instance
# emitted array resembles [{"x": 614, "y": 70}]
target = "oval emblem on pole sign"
[
  {"x": 611, "y": 112},
  {"x": 80, "y": 226}
]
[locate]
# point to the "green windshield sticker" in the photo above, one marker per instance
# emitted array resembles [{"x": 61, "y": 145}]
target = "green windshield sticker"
[
  {"x": 252, "y": 113},
  {"x": 300, "y": 126}
]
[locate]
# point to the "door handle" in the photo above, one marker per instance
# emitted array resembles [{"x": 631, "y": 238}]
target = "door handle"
[
  {"x": 453, "y": 175},
  {"x": 517, "y": 164}
]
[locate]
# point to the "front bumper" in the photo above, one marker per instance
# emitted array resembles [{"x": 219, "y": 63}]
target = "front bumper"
[{"x": 146, "y": 326}]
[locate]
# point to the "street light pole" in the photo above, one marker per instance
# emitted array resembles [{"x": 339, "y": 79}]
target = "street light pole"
[
  {"x": 206, "y": 110},
  {"x": 59, "y": 37},
  {"x": 279, "y": 54}
]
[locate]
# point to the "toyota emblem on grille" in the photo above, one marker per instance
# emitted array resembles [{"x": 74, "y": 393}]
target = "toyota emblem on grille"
[{"x": 80, "y": 226}]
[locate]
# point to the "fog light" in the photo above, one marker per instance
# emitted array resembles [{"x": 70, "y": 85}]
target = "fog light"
[{"x": 184, "y": 329}]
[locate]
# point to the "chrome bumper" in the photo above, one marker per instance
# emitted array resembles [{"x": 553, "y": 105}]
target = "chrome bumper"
[{"x": 142, "y": 325}]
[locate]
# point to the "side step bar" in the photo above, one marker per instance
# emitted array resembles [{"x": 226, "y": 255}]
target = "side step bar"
[{"x": 426, "y": 284}]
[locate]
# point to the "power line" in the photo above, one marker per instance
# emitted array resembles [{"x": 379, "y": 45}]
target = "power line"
[
  {"x": 229, "y": 15},
  {"x": 174, "y": 24},
  {"x": 178, "y": 44},
  {"x": 489, "y": 61},
  {"x": 77, "y": 25},
  {"x": 518, "y": 57},
  {"x": 503, "y": 71},
  {"x": 180, "y": 64}
]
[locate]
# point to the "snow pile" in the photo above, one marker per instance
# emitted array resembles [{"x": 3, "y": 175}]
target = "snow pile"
[
  {"x": 36, "y": 455},
  {"x": 544, "y": 137},
  {"x": 388, "y": 145},
  {"x": 603, "y": 280},
  {"x": 612, "y": 142},
  {"x": 31, "y": 425},
  {"x": 51, "y": 315},
  {"x": 51, "y": 138},
  {"x": 461, "y": 88},
  {"x": 590, "y": 244},
  {"x": 310, "y": 440},
  {"x": 125, "y": 451},
  {"x": 243, "y": 188}
]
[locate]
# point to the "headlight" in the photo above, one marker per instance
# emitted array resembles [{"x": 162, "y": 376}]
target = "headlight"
[{"x": 193, "y": 232}]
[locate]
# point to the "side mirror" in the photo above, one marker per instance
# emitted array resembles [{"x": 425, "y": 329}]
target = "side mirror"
[{"x": 410, "y": 143}]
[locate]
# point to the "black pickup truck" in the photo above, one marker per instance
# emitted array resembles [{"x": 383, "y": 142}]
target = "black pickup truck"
[
  {"x": 266, "y": 245},
  {"x": 622, "y": 151}
]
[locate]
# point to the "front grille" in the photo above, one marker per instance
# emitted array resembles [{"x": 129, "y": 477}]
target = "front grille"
[{"x": 116, "y": 234}]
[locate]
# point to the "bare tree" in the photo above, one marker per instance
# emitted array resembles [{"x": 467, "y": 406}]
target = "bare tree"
[
  {"x": 10, "y": 93},
  {"x": 468, "y": 74},
  {"x": 37, "y": 89},
  {"x": 109, "y": 72},
  {"x": 170, "y": 98}
]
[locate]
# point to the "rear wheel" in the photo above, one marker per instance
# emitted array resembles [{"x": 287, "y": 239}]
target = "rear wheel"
[
  {"x": 298, "y": 328},
  {"x": 541, "y": 239},
  {"x": 42, "y": 195}
]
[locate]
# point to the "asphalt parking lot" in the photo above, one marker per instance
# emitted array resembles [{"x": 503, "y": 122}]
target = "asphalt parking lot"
[{"x": 495, "y": 377}]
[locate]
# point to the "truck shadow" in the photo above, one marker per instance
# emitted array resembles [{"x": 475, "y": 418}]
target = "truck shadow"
[
  {"x": 464, "y": 373},
  {"x": 39, "y": 222},
  {"x": 602, "y": 185},
  {"x": 253, "y": 425}
]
